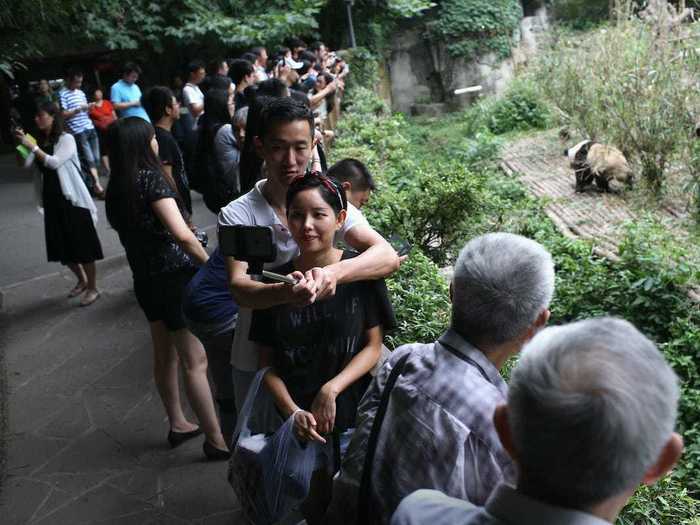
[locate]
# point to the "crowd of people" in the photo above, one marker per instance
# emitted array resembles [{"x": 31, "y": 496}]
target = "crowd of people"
[{"x": 430, "y": 433}]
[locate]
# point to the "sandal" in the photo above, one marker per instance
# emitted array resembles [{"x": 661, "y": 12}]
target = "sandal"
[
  {"x": 90, "y": 297},
  {"x": 77, "y": 289}
]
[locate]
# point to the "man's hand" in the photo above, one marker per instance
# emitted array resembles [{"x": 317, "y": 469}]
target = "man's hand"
[
  {"x": 325, "y": 281},
  {"x": 323, "y": 408},
  {"x": 305, "y": 427},
  {"x": 304, "y": 292}
]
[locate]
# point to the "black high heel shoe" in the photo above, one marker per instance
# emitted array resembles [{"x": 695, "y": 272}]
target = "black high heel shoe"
[
  {"x": 178, "y": 438},
  {"x": 215, "y": 454}
]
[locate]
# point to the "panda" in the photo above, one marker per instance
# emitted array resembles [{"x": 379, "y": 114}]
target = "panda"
[{"x": 604, "y": 164}]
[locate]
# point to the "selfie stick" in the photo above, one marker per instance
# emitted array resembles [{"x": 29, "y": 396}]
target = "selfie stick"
[{"x": 277, "y": 277}]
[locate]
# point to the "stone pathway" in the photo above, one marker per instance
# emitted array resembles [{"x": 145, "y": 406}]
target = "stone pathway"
[{"x": 86, "y": 432}]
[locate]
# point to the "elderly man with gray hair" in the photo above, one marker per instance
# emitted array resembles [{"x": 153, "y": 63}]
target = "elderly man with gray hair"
[
  {"x": 590, "y": 415},
  {"x": 436, "y": 430}
]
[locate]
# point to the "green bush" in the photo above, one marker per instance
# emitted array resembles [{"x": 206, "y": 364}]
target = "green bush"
[
  {"x": 521, "y": 108},
  {"x": 664, "y": 503},
  {"x": 432, "y": 210},
  {"x": 421, "y": 301},
  {"x": 472, "y": 27}
]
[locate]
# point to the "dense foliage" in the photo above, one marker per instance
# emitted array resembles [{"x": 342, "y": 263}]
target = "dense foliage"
[
  {"x": 647, "y": 286},
  {"x": 473, "y": 27},
  {"x": 581, "y": 14},
  {"x": 521, "y": 108}
]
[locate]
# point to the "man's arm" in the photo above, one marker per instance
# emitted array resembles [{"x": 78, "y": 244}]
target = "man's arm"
[
  {"x": 125, "y": 105},
  {"x": 377, "y": 258},
  {"x": 256, "y": 295}
]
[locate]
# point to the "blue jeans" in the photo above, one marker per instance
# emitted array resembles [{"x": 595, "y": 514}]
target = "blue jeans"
[{"x": 89, "y": 145}]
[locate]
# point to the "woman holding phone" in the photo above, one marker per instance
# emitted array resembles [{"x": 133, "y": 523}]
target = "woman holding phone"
[
  {"x": 320, "y": 355},
  {"x": 69, "y": 211}
]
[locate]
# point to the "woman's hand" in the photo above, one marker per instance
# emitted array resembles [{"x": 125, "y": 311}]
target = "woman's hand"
[
  {"x": 24, "y": 139},
  {"x": 303, "y": 293},
  {"x": 305, "y": 427},
  {"x": 323, "y": 408}
]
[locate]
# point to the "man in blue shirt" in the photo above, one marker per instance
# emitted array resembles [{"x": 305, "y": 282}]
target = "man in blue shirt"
[{"x": 126, "y": 95}]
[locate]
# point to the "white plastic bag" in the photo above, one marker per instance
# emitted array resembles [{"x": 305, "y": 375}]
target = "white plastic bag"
[{"x": 269, "y": 474}]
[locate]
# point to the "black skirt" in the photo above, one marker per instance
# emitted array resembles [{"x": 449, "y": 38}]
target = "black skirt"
[{"x": 70, "y": 233}]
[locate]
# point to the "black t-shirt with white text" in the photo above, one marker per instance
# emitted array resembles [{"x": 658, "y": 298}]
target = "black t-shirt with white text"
[{"x": 313, "y": 344}]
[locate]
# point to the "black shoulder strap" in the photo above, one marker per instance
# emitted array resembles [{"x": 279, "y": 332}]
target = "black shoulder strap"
[{"x": 365, "y": 485}]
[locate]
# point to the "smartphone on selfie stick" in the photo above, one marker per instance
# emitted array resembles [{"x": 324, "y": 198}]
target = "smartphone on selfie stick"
[{"x": 254, "y": 245}]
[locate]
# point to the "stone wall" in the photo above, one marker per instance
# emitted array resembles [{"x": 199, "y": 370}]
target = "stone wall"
[{"x": 424, "y": 76}]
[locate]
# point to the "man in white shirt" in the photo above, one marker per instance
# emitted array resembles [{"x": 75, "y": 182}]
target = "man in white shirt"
[
  {"x": 285, "y": 143},
  {"x": 192, "y": 96},
  {"x": 590, "y": 415},
  {"x": 260, "y": 63}
]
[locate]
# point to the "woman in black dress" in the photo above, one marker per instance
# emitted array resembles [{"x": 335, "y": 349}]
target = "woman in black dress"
[
  {"x": 143, "y": 205},
  {"x": 69, "y": 212}
]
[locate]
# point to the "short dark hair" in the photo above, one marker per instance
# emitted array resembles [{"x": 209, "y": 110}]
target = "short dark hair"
[
  {"x": 272, "y": 87},
  {"x": 215, "y": 65},
  {"x": 194, "y": 66},
  {"x": 131, "y": 67},
  {"x": 283, "y": 109},
  {"x": 250, "y": 57},
  {"x": 309, "y": 56},
  {"x": 73, "y": 72},
  {"x": 330, "y": 190},
  {"x": 282, "y": 51},
  {"x": 257, "y": 51},
  {"x": 305, "y": 66},
  {"x": 354, "y": 172},
  {"x": 219, "y": 82},
  {"x": 294, "y": 42},
  {"x": 155, "y": 101},
  {"x": 240, "y": 69},
  {"x": 316, "y": 46},
  {"x": 300, "y": 96}
]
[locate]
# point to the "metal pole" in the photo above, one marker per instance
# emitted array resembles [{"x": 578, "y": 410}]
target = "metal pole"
[{"x": 351, "y": 29}]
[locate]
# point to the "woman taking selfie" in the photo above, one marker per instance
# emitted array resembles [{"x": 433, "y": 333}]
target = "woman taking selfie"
[
  {"x": 69, "y": 212},
  {"x": 321, "y": 354},
  {"x": 144, "y": 207}
]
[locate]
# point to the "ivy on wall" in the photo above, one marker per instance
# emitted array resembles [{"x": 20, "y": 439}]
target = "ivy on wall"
[{"x": 473, "y": 27}]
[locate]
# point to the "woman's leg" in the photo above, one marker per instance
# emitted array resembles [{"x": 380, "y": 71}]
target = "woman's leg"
[
  {"x": 79, "y": 272},
  {"x": 218, "y": 350},
  {"x": 165, "y": 374},
  {"x": 91, "y": 294},
  {"x": 90, "y": 272},
  {"x": 194, "y": 363}
]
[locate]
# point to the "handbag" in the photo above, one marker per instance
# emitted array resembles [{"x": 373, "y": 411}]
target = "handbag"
[
  {"x": 270, "y": 474},
  {"x": 365, "y": 490}
]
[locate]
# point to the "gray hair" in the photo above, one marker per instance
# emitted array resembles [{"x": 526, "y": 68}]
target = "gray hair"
[
  {"x": 501, "y": 283},
  {"x": 240, "y": 117},
  {"x": 591, "y": 406}
]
